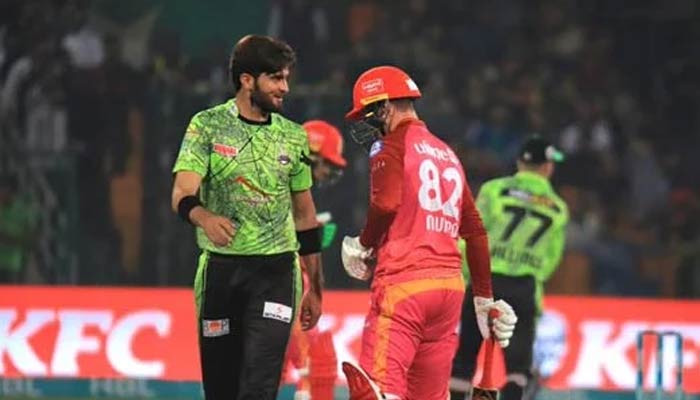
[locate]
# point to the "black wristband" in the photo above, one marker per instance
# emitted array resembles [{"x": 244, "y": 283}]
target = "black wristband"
[
  {"x": 309, "y": 241},
  {"x": 185, "y": 205}
]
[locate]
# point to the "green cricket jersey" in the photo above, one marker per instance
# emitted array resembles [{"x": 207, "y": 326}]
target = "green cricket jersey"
[
  {"x": 526, "y": 224},
  {"x": 248, "y": 174}
]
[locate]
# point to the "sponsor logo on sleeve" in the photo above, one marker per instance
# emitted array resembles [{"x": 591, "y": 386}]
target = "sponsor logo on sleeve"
[
  {"x": 225, "y": 150},
  {"x": 376, "y": 148}
]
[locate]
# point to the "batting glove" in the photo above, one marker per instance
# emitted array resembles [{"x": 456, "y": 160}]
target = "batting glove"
[
  {"x": 501, "y": 325},
  {"x": 353, "y": 255}
]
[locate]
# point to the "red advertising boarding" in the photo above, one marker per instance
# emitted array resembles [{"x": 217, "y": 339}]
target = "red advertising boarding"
[
  {"x": 97, "y": 332},
  {"x": 591, "y": 342},
  {"x": 151, "y": 333}
]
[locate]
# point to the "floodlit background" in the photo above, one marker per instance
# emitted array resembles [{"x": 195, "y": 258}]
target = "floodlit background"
[{"x": 95, "y": 97}]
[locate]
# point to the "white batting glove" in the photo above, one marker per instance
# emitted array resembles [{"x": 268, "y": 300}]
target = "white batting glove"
[
  {"x": 502, "y": 325},
  {"x": 482, "y": 305},
  {"x": 354, "y": 255}
]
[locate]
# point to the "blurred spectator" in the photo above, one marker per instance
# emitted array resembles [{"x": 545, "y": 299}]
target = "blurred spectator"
[
  {"x": 496, "y": 140},
  {"x": 119, "y": 92},
  {"x": 649, "y": 186},
  {"x": 584, "y": 226},
  {"x": 589, "y": 140},
  {"x": 685, "y": 240},
  {"x": 309, "y": 39},
  {"x": 169, "y": 104},
  {"x": 561, "y": 38},
  {"x": 363, "y": 18},
  {"x": 18, "y": 222},
  {"x": 96, "y": 124},
  {"x": 34, "y": 96},
  {"x": 83, "y": 43}
]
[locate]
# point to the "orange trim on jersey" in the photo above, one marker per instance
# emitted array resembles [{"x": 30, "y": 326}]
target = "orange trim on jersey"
[{"x": 394, "y": 295}]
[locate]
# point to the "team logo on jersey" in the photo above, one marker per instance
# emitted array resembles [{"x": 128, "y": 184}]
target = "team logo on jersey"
[
  {"x": 215, "y": 327},
  {"x": 284, "y": 159},
  {"x": 225, "y": 150},
  {"x": 376, "y": 148}
]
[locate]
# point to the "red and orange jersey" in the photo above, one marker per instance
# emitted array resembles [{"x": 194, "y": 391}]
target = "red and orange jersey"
[{"x": 420, "y": 203}]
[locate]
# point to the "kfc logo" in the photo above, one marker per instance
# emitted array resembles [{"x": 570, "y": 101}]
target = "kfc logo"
[{"x": 80, "y": 333}]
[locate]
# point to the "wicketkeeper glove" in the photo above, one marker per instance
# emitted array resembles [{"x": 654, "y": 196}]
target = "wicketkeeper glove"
[
  {"x": 354, "y": 256},
  {"x": 502, "y": 326}
]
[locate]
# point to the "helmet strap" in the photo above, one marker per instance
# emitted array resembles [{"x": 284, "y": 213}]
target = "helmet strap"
[
  {"x": 371, "y": 127},
  {"x": 377, "y": 116}
]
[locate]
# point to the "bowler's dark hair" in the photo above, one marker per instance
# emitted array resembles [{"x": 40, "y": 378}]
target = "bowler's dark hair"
[{"x": 257, "y": 54}]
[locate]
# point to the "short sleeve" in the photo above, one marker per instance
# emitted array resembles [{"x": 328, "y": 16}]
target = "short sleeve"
[
  {"x": 300, "y": 175},
  {"x": 195, "y": 149},
  {"x": 556, "y": 243},
  {"x": 486, "y": 201}
]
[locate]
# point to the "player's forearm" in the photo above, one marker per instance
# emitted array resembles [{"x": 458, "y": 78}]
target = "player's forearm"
[
  {"x": 314, "y": 271},
  {"x": 181, "y": 189},
  {"x": 186, "y": 186},
  {"x": 199, "y": 214},
  {"x": 386, "y": 188},
  {"x": 378, "y": 223},
  {"x": 479, "y": 261},
  {"x": 304, "y": 211}
]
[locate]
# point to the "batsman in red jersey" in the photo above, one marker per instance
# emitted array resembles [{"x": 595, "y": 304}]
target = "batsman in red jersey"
[{"x": 420, "y": 203}]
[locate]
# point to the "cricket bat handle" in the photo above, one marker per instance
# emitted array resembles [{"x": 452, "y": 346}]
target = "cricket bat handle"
[
  {"x": 487, "y": 375},
  {"x": 489, "y": 347}
]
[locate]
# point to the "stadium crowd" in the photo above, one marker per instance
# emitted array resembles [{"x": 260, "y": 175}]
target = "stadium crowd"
[{"x": 93, "y": 106}]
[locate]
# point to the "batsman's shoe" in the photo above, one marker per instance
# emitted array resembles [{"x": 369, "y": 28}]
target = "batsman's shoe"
[
  {"x": 360, "y": 385},
  {"x": 484, "y": 394}
]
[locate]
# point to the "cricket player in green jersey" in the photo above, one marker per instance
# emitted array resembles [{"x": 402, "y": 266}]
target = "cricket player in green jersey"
[
  {"x": 526, "y": 224},
  {"x": 243, "y": 178}
]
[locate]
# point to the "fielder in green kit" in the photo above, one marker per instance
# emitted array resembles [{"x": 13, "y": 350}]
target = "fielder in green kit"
[
  {"x": 526, "y": 223},
  {"x": 243, "y": 178}
]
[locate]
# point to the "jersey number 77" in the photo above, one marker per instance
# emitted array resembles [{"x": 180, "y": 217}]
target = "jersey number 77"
[{"x": 518, "y": 215}]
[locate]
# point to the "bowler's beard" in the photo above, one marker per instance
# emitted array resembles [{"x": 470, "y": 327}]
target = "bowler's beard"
[{"x": 263, "y": 101}]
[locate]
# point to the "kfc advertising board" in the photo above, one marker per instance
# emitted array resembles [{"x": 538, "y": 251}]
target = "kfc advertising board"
[
  {"x": 69, "y": 332},
  {"x": 150, "y": 334}
]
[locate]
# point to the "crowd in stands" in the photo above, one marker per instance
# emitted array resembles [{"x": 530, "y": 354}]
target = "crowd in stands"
[{"x": 92, "y": 116}]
